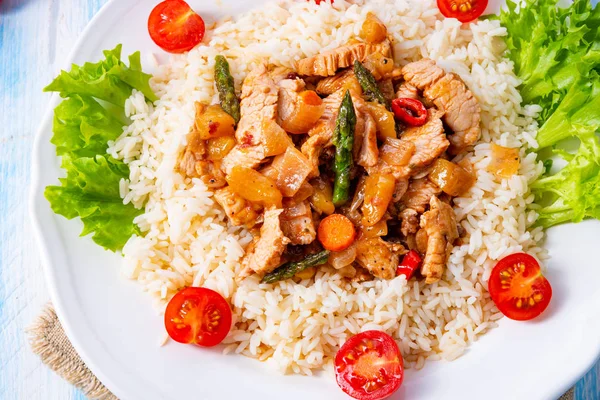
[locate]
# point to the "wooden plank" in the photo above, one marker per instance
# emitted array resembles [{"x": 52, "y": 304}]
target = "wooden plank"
[
  {"x": 588, "y": 388},
  {"x": 35, "y": 38}
]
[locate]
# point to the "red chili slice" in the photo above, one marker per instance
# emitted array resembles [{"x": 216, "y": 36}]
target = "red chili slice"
[
  {"x": 410, "y": 263},
  {"x": 410, "y": 111}
]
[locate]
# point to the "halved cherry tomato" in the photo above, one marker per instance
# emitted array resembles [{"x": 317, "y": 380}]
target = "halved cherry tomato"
[
  {"x": 518, "y": 287},
  {"x": 175, "y": 27},
  {"x": 410, "y": 263},
  {"x": 410, "y": 111},
  {"x": 320, "y": 1},
  {"x": 462, "y": 10},
  {"x": 198, "y": 315},
  {"x": 369, "y": 366}
]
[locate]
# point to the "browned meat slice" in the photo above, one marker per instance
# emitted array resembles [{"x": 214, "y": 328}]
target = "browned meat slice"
[
  {"x": 194, "y": 153},
  {"x": 429, "y": 139},
  {"x": 291, "y": 86},
  {"x": 288, "y": 98},
  {"x": 265, "y": 254},
  {"x": 239, "y": 210},
  {"x": 193, "y": 161},
  {"x": 449, "y": 93},
  {"x": 258, "y": 110},
  {"x": 407, "y": 91},
  {"x": 421, "y": 240},
  {"x": 410, "y": 221},
  {"x": 211, "y": 174},
  {"x": 380, "y": 258},
  {"x": 342, "y": 80},
  {"x": 312, "y": 149},
  {"x": 258, "y": 101},
  {"x": 249, "y": 157},
  {"x": 415, "y": 200},
  {"x": 321, "y": 135},
  {"x": 394, "y": 159},
  {"x": 419, "y": 194},
  {"x": 297, "y": 223},
  {"x": 280, "y": 73},
  {"x": 400, "y": 189},
  {"x": 440, "y": 226},
  {"x": 387, "y": 88},
  {"x": 329, "y": 62},
  {"x": 423, "y": 73},
  {"x": 463, "y": 114},
  {"x": 417, "y": 148},
  {"x": 365, "y": 135}
]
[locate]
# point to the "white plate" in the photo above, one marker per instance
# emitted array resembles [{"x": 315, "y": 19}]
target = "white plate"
[{"x": 114, "y": 328}]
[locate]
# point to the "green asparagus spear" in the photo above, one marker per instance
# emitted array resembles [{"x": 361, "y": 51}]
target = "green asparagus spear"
[
  {"x": 369, "y": 84},
  {"x": 290, "y": 269},
  {"x": 225, "y": 86},
  {"x": 343, "y": 140}
]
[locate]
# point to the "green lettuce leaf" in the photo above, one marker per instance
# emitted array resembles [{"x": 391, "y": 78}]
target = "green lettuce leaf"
[
  {"x": 82, "y": 127},
  {"x": 556, "y": 53},
  {"x": 109, "y": 80},
  {"x": 578, "y": 111},
  {"x": 573, "y": 193},
  {"x": 91, "y": 191},
  {"x": 552, "y": 47}
]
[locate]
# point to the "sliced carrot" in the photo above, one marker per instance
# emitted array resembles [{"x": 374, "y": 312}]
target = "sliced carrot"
[{"x": 336, "y": 232}]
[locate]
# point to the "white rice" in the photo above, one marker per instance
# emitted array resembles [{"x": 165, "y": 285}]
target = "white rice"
[{"x": 298, "y": 327}]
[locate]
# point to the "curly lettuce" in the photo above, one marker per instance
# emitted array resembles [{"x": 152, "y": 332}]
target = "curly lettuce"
[
  {"x": 109, "y": 79},
  {"x": 82, "y": 128},
  {"x": 573, "y": 193},
  {"x": 552, "y": 47},
  {"x": 556, "y": 54},
  {"x": 90, "y": 191}
]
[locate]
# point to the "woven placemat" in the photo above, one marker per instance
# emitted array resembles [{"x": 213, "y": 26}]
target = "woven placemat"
[{"x": 48, "y": 340}]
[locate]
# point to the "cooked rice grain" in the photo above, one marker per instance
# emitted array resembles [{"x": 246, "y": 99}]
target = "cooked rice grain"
[{"x": 298, "y": 327}]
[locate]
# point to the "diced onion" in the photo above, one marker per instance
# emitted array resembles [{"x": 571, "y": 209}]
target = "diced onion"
[
  {"x": 451, "y": 178},
  {"x": 299, "y": 114},
  {"x": 505, "y": 161},
  {"x": 292, "y": 170},
  {"x": 373, "y": 30},
  {"x": 343, "y": 258}
]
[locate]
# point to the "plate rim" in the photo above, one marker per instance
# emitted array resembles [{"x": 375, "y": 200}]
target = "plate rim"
[{"x": 36, "y": 191}]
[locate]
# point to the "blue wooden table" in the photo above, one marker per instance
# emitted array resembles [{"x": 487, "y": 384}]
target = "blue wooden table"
[{"x": 35, "y": 39}]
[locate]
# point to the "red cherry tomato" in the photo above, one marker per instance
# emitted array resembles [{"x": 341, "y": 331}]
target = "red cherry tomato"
[
  {"x": 198, "y": 315},
  {"x": 462, "y": 10},
  {"x": 518, "y": 287},
  {"x": 369, "y": 366},
  {"x": 410, "y": 263},
  {"x": 175, "y": 27},
  {"x": 320, "y": 1},
  {"x": 410, "y": 111}
]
